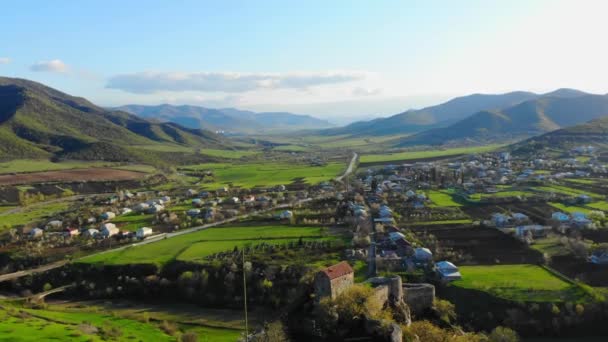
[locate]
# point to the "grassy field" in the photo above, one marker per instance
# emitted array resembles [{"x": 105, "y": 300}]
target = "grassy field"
[
  {"x": 513, "y": 193},
  {"x": 19, "y": 324},
  {"x": 601, "y": 205},
  {"x": 267, "y": 174},
  {"x": 428, "y": 223},
  {"x": 133, "y": 221},
  {"x": 560, "y": 189},
  {"x": 550, "y": 246},
  {"x": 28, "y": 165},
  {"x": 525, "y": 283},
  {"x": 570, "y": 208},
  {"x": 443, "y": 199},
  {"x": 32, "y": 213},
  {"x": 197, "y": 245},
  {"x": 411, "y": 155}
]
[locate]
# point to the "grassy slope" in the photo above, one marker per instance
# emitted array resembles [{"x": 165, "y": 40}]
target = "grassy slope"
[
  {"x": 267, "y": 174},
  {"x": 519, "y": 283},
  {"x": 46, "y": 325},
  {"x": 32, "y": 213},
  {"x": 411, "y": 155},
  {"x": 228, "y": 237}
]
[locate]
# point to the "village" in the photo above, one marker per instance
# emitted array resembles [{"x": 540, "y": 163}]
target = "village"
[{"x": 416, "y": 233}]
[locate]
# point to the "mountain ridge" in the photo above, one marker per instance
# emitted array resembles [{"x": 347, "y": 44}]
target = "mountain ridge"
[{"x": 227, "y": 119}]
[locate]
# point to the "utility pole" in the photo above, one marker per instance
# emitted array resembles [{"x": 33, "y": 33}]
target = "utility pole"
[{"x": 245, "y": 297}]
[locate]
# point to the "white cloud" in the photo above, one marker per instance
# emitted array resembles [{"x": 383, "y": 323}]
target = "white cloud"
[
  {"x": 55, "y": 65},
  {"x": 5, "y": 60},
  {"x": 152, "y": 82},
  {"x": 360, "y": 91}
]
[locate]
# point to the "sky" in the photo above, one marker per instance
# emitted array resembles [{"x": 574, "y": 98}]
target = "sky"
[{"x": 341, "y": 60}]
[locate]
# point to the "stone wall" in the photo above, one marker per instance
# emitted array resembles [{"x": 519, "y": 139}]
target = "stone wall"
[
  {"x": 381, "y": 293},
  {"x": 418, "y": 297}
]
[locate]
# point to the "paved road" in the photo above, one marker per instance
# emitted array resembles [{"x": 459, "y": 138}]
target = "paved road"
[
  {"x": 19, "y": 274},
  {"x": 350, "y": 167},
  {"x": 44, "y": 268}
]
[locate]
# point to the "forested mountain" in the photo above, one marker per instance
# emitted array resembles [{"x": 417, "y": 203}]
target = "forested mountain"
[{"x": 38, "y": 121}]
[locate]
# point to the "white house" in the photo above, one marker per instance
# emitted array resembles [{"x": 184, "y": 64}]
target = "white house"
[
  {"x": 193, "y": 212},
  {"x": 108, "y": 215},
  {"x": 55, "y": 224},
  {"x": 108, "y": 229},
  {"x": 286, "y": 215},
  {"x": 141, "y": 207},
  {"x": 143, "y": 232},
  {"x": 125, "y": 211},
  {"x": 36, "y": 233}
]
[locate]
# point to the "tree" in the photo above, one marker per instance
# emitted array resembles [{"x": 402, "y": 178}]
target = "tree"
[{"x": 503, "y": 334}]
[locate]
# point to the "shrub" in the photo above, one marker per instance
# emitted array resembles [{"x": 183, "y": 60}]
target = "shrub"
[
  {"x": 444, "y": 309},
  {"x": 169, "y": 327},
  {"x": 189, "y": 337},
  {"x": 503, "y": 334}
]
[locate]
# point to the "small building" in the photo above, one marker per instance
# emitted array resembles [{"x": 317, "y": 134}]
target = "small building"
[
  {"x": 125, "y": 211},
  {"x": 191, "y": 193},
  {"x": 141, "y": 207},
  {"x": 36, "y": 233},
  {"x": 143, "y": 232},
  {"x": 333, "y": 280},
  {"x": 197, "y": 202},
  {"x": 599, "y": 258},
  {"x": 193, "y": 212},
  {"x": 70, "y": 232},
  {"x": 90, "y": 233},
  {"x": 108, "y": 229},
  {"x": 560, "y": 217},
  {"x": 447, "y": 271},
  {"x": 286, "y": 215},
  {"x": 55, "y": 224},
  {"x": 423, "y": 254},
  {"x": 166, "y": 199},
  {"x": 108, "y": 215}
]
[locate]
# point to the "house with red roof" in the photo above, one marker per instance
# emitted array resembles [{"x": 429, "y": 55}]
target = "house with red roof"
[{"x": 333, "y": 280}]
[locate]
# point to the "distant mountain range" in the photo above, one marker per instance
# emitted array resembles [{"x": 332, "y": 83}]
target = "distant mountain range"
[
  {"x": 230, "y": 120},
  {"x": 40, "y": 122},
  {"x": 594, "y": 132},
  {"x": 533, "y": 117}
]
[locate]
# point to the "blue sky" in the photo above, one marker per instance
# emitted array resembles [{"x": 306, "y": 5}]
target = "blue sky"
[{"x": 326, "y": 58}]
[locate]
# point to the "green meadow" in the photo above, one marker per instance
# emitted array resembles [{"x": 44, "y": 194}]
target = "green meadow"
[
  {"x": 38, "y": 165},
  {"x": 523, "y": 283},
  {"x": 197, "y": 245},
  {"x": 443, "y": 198},
  {"x": 20, "y": 324},
  {"x": 412, "y": 155},
  {"x": 35, "y": 212},
  {"x": 250, "y": 175}
]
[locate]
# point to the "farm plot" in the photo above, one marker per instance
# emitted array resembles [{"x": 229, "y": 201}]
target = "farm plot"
[
  {"x": 415, "y": 155},
  {"x": 195, "y": 246},
  {"x": 35, "y": 212},
  {"x": 76, "y": 175},
  {"x": 524, "y": 283},
  {"x": 481, "y": 246},
  {"x": 132, "y": 222},
  {"x": 443, "y": 198},
  {"x": 266, "y": 174}
]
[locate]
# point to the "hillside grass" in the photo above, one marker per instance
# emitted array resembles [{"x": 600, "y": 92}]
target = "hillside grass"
[
  {"x": 38, "y": 165},
  {"x": 570, "y": 208},
  {"x": 569, "y": 191},
  {"x": 250, "y": 175},
  {"x": 35, "y": 212},
  {"x": 199, "y": 244},
  {"x": 21, "y": 324},
  {"x": 412, "y": 155},
  {"x": 522, "y": 283},
  {"x": 443, "y": 198}
]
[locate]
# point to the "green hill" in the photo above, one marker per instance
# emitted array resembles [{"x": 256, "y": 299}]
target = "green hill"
[
  {"x": 538, "y": 116},
  {"x": 594, "y": 132},
  {"x": 40, "y": 122}
]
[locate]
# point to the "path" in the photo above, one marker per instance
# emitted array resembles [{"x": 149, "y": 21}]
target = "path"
[{"x": 349, "y": 169}]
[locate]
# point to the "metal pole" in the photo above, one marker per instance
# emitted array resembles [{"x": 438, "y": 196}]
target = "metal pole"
[{"x": 245, "y": 297}]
